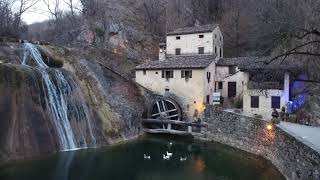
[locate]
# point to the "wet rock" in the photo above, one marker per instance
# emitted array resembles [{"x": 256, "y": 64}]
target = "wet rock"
[{"x": 100, "y": 98}]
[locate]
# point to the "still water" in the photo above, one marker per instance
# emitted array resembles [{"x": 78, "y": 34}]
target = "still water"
[{"x": 204, "y": 161}]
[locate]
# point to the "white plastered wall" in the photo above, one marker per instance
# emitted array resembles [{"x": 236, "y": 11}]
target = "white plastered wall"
[
  {"x": 265, "y": 97},
  {"x": 189, "y": 43},
  {"x": 222, "y": 75},
  {"x": 190, "y": 92}
]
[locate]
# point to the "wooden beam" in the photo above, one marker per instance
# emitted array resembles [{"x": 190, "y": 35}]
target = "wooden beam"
[
  {"x": 168, "y": 111},
  {"x": 160, "y": 121},
  {"x": 166, "y": 131}
]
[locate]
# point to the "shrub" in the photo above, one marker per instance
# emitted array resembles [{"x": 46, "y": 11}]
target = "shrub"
[
  {"x": 100, "y": 32},
  {"x": 258, "y": 116},
  {"x": 238, "y": 103},
  {"x": 292, "y": 118}
]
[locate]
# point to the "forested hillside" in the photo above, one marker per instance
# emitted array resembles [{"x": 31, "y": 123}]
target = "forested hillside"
[
  {"x": 124, "y": 33},
  {"x": 249, "y": 27}
]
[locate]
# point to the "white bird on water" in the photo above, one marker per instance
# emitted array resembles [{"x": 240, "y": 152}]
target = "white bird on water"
[
  {"x": 146, "y": 157},
  {"x": 166, "y": 157},
  {"x": 169, "y": 154},
  {"x": 183, "y": 159}
]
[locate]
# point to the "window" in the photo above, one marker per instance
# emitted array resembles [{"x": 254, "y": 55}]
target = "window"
[
  {"x": 167, "y": 74},
  {"x": 275, "y": 102},
  {"x": 220, "y": 52},
  {"x": 254, "y": 101},
  {"x": 232, "y": 69},
  {"x": 178, "y": 51},
  {"x": 156, "y": 72},
  {"x": 220, "y": 85},
  {"x": 144, "y": 72},
  {"x": 166, "y": 90},
  {"x": 178, "y": 37},
  {"x": 186, "y": 74},
  {"x": 215, "y": 36},
  {"x": 215, "y": 49},
  {"x": 201, "y": 50},
  {"x": 201, "y": 36}
]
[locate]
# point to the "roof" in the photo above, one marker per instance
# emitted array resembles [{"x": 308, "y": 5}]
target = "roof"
[
  {"x": 235, "y": 61},
  {"x": 195, "y": 29},
  {"x": 259, "y": 63},
  {"x": 180, "y": 62}
]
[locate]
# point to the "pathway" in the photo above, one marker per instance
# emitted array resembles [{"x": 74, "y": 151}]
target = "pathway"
[{"x": 308, "y": 135}]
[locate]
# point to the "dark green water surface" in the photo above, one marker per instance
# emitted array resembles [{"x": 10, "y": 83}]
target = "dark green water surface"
[{"x": 205, "y": 161}]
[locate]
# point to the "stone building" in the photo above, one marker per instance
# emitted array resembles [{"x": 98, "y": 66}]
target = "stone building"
[
  {"x": 188, "y": 77},
  {"x": 228, "y": 78},
  {"x": 192, "y": 67},
  {"x": 262, "y": 87},
  {"x": 186, "y": 66}
]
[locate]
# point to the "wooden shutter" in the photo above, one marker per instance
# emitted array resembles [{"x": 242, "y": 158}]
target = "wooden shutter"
[
  {"x": 178, "y": 51},
  {"x": 183, "y": 74},
  {"x": 201, "y": 50}
]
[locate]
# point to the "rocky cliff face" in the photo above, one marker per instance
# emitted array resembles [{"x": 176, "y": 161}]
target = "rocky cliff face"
[{"x": 99, "y": 100}]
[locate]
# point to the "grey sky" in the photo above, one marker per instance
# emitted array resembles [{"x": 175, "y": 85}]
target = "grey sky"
[{"x": 39, "y": 12}]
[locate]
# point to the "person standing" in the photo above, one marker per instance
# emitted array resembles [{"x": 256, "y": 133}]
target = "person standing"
[{"x": 275, "y": 117}]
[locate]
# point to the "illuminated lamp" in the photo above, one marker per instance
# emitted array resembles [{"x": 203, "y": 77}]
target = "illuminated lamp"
[{"x": 269, "y": 127}]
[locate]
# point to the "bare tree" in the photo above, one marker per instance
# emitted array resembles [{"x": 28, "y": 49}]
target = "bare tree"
[
  {"x": 154, "y": 12},
  {"x": 24, "y": 6},
  {"x": 74, "y": 7},
  {"x": 53, "y": 8},
  {"x": 7, "y": 18}
]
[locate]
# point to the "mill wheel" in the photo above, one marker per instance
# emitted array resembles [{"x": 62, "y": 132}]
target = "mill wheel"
[{"x": 164, "y": 109}]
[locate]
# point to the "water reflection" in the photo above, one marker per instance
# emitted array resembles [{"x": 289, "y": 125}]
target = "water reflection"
[
  {"x": 63, "y": 166},
  {"x": 199, "y": 165},
  {"x": 126, "y": 162}
]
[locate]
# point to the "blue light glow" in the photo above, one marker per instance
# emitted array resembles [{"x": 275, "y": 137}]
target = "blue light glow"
[{"x": 297, "y": 89}]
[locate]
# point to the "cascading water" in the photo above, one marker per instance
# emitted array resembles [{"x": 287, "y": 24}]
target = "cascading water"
[{"x": 57, "y": 100}]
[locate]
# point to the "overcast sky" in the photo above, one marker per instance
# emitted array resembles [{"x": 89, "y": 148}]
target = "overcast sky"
[{"x": 38, "y": 13}]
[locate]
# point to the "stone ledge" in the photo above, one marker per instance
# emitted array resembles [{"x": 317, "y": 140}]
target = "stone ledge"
[
  {"x": 304, "y": 141},
  {"x": 293, "y": 158}
]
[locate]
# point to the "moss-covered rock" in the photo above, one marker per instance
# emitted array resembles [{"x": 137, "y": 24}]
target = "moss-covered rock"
[{"x": 50, "y": 59}]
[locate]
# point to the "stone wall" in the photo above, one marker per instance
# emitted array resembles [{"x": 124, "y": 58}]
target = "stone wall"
[{"x": 293, "y": 158}]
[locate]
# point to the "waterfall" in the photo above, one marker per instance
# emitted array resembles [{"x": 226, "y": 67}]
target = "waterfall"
[{"x": 57, "y": 88}]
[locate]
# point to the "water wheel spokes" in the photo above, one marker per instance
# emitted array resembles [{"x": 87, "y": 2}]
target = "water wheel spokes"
[{"x": 165, "y": 108}]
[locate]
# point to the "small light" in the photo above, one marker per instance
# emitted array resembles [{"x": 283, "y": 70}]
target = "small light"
[{"x": 269, "y": 127}]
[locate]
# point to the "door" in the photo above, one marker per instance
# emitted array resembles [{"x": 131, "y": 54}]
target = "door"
[{"x": 232, "y": 89}]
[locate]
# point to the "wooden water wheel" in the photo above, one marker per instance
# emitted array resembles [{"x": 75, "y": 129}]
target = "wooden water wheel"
[{"x": 166, "y": 109}]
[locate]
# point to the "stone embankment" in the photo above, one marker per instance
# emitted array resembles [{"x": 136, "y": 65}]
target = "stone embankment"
[{"x": 291, "y": 156}]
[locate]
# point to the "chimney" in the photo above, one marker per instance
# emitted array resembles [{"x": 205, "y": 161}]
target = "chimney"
[{"x": 162, "y": 52}]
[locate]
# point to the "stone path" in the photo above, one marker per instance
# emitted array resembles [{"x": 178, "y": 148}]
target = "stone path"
[{"x": 308, "y": 135}]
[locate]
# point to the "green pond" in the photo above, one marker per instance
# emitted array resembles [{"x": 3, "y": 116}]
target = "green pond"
[{"x": 204, "y": 161}]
